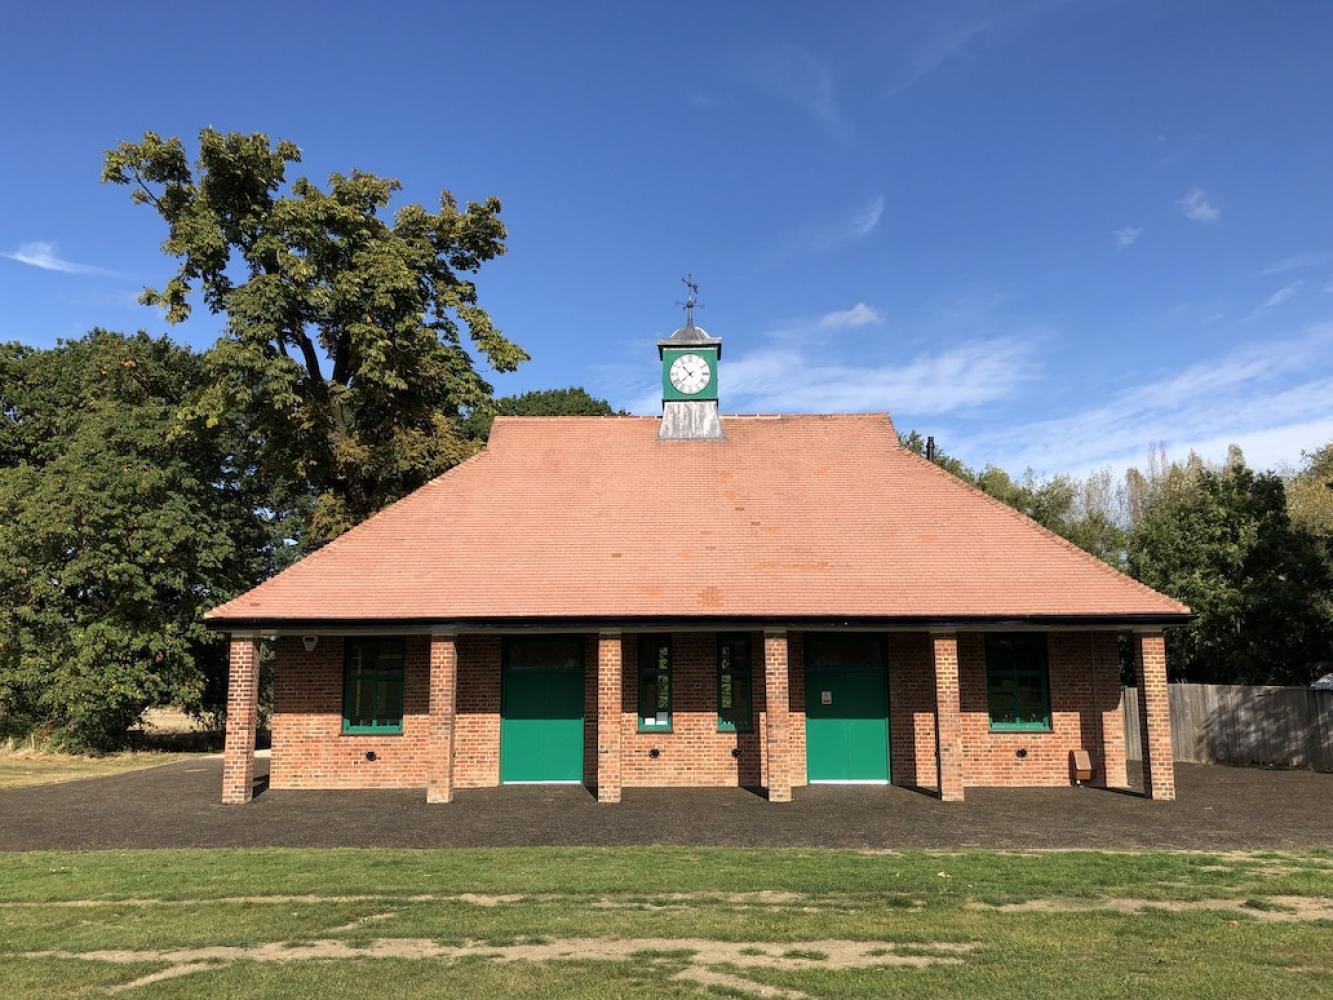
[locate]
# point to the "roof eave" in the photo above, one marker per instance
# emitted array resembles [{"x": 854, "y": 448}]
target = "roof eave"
[{"x": 311, "y": 625}]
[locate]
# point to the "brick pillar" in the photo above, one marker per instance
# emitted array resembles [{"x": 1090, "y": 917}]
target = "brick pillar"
[
  {"x": 1106, "y": 695},
  {"x": 948, "y": 725},
  {"x": 1159, "y": 777},
  {"x": 610, "y": 681},
  {"x": 238, "y": 758},
  {"x": 443, "y": 707},
  {"x": 776, "y": 716}
]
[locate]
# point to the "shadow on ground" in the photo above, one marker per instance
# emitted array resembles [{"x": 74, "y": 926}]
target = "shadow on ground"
[{"x": 177, "y": 805}]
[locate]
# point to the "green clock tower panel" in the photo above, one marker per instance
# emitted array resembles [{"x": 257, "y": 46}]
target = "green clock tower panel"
[
  {"x": 692, "y": 366},
  {"x": 689, "y": 380}
]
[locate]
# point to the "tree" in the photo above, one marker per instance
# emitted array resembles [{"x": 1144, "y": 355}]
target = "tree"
[
  {"x": 1221, "y": 541},
  {"x": 1310, "y": 494},
  {"x": 117, "y": 531},
  {"x": 344, "y": 345},
  {"x": 571, "y": 402}
]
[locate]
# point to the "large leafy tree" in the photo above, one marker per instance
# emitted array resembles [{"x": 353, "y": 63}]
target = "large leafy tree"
[
  {"x": 118, "y": 529},
  {"x": 1221, "y": 540},
  {"x": 1310, "y": 494},
  {"x": 571, "y": 402},
  {"x": 347, "y": 334}
]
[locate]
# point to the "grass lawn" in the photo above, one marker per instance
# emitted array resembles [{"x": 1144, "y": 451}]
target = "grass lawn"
[
  {"x": 37, "y": 767},
  {"x": 665, "y": 922}
]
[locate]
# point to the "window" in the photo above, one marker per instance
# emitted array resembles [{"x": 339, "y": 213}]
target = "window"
[
  {"x": 1018, "y": 686},
  {"x": 373, "y": 686},
  {"x": 735, "y": 688},
  {"x": 655, "y": 683}
]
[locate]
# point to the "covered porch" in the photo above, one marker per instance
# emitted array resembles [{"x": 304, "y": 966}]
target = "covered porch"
[{"x": 770, "y": 708}]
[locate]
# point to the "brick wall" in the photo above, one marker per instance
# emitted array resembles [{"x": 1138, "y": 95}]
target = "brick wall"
[
  {"x": 310, "y": 751},
  {"x": 795, "y": 705},
  {"x": 1085, "y": 706},
  {"x": 911, "y": 710},
  {"x": 991, "y": 758},
  {"x": 309, "y": 748},
  {"x": 694, "y": 752},
  {"x": 477, "y": 728}
]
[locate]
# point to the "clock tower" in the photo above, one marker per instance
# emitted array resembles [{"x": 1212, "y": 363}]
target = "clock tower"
[{"x": 689, "y": 380}]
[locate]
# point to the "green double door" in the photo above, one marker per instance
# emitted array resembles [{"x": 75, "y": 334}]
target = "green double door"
[
  {"x": 846, "y": 709},
  {"x": 541, "y": 709}
]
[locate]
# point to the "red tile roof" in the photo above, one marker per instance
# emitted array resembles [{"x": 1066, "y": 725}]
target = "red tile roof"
[{"x": 790, "y": 516}]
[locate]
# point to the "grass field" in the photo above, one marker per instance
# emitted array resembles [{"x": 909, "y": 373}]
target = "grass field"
[
  {"x": 20, "y": 767},
  {"x": 665, "y": 922}
]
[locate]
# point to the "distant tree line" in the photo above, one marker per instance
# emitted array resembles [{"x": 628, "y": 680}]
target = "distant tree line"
[{"x": 1250, "y": 552}]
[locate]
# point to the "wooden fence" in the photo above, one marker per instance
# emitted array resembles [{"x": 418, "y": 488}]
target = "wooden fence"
[{"x": 1234, "y": 724}]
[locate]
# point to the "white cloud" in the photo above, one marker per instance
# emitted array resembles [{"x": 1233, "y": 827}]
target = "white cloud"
[
  {"x": 866, "y": 220},
  {"x": 846, "y": 319},
  {"x": 1278, "y": 297},
  {"x": 1273, "y": 397},
  {"x": 943, "y": 33},
  {"x": 1197, "y": 208},
  {"x": 795, "y": 75},
  {"x": 44, "y": 256},
  {"x": 790, "y": 380},
  {"x": 855, "y": 225},
  {"x": 1127, "y": 236},
  {"x": 1297, "y": 262}
]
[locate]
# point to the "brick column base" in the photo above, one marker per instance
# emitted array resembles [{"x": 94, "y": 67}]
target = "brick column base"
[
  {"x": 1159, "y": 776},
  {"x": 948, "y": 725},
  {"x": 443, "y": 707},
  {"x": 238, "y": 757},
  {"x": 610, "y": 680},
  {"x": 776, "y": 716}
]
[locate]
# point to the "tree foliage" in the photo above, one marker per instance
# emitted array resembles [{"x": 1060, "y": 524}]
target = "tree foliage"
[
  {"x": 1310, "y": 494},
  {"x": 571, "y": 402},
  {"x": 117, "y": 531},
  {"x": 346, "y": 346},
  {"x": 1221, "y": 540}
]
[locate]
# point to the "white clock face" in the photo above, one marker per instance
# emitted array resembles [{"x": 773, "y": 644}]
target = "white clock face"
[{"x": 690, "y": 374}]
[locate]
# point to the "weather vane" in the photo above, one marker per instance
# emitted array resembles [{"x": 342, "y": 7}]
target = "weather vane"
[{"x": 691, "y": 300}]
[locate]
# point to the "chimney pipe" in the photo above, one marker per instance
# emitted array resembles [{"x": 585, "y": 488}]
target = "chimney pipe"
[{"x": 930, "y": 449}]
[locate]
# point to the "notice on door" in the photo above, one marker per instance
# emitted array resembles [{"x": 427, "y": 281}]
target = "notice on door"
[{"x": 826, "y": 697}]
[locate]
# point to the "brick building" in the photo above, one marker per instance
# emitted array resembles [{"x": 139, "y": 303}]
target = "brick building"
[{"x": 764, "y": 601}]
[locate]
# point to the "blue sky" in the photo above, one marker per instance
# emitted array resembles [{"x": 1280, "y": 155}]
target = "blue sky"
[{"x": 1048, "y": 233}]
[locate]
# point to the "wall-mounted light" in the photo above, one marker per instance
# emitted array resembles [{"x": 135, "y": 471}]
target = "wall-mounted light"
[
  {"x": 309, "y": 642},
  {"x": 654, "y": 753},
  {"x": 736, "y": 752}
]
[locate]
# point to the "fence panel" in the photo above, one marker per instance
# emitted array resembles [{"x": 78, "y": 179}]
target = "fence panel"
[{"x": 1236, "y": 724}]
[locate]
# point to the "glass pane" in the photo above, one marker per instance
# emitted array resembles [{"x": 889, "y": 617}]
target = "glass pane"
[
  {"x": 1002, "y": 697},
  {"x": 663, "y": 692},
  {"x": 724, "y": 692},
  {"x": 545, "y": 651},
  {"x": 741, "y": 714},
  {"x": 836, "y": 649},
  {"x": 389, "y": 712},
  {"x": 361, "y": 702},
  {"x": 1031, "y": 703},
  {"x": 648, "y": 696}
]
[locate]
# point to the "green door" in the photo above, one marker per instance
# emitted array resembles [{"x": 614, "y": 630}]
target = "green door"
[
  {"x": 846, "y": 709},
  {"x": 541, "y": 710}
]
